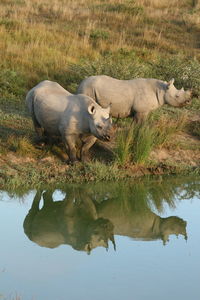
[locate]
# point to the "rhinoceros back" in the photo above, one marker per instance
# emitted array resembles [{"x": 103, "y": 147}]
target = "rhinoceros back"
[
  {"x": 49, "y": 102},
  {"x": 107, "y": 91}
]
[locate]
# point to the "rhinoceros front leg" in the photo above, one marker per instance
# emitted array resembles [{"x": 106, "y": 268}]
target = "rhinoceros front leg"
[
  {"x": 88, "y": 142},
  {"x": 70, "y": 144},
  {"x": 140, "y": 117}
]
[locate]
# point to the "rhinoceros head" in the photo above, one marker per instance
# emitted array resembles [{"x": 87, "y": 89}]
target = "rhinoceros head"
[
  {"x": 172, "y": 225},
  {"x": 99, "y": 233},
  {"x": 176, "y": 97},
  {"x": 100, "y": 121}
]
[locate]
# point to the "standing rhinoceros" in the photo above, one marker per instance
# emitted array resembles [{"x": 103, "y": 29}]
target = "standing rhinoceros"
[
  {"x": 78, "y": 119},
  {"x": 136, "y": 97}
]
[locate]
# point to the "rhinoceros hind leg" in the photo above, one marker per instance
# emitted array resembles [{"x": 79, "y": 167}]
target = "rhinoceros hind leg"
[{"x": 40, "y": 138}]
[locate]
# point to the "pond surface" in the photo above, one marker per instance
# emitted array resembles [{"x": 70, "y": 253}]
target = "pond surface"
[{"x": 136, "y": 240}]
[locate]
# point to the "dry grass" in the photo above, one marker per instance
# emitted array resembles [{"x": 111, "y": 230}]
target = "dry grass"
[{"x": 41, "y": 37}]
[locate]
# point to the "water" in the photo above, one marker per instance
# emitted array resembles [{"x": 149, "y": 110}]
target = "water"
[{"x": 137, "y": 241}]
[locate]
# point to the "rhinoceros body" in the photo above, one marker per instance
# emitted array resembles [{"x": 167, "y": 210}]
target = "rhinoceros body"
[
  {"x": 136, "y": 97},
  {"x": 78, "y": 119}
]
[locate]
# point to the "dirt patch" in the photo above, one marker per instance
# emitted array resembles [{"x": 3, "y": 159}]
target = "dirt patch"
[
  {"x": 184, "y": 149},
  {"x": 187, "y": 157}
]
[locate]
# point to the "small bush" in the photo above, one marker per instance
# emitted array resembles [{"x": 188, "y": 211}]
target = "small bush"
[
  {"x": 124, "y": 142},
  {"x": 143, "y": 143},
  {"x": 135, "y": 143},
  {"x": 185, "y": 71},
  {"x": 122, "y": 64}
]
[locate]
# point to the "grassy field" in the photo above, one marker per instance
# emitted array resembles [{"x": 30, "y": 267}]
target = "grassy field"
[{"x": 65, "y": 41}]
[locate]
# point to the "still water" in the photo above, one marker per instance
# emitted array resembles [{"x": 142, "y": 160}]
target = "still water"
[{"x": 136, "y": 240}]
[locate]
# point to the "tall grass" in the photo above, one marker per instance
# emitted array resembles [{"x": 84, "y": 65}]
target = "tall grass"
[
  {"x": 124, "y": 141},
  {"x": 135, "y": 143},
  {"x": 143, "y": 143}
]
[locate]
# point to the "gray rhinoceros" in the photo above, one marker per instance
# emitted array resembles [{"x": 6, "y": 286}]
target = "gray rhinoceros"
[
  {"x": 78, "y": 119},
  {"x": 136, "y": 97}
]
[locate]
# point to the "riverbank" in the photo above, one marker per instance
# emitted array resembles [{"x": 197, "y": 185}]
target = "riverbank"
[
  {"x": 66, "y": 42},
  {"x": 24, "y": 165}
]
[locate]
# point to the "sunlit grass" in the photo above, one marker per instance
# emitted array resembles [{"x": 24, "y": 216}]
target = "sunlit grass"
[
  {"x": 135, "y": 142},
  {"x": 40, "y": 37},
  {"x": 68, "y": 40}
]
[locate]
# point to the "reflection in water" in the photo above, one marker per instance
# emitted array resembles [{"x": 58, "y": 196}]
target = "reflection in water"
[
  {"x": 90, "y": 216},
  {"x": 72, "y": 221}
]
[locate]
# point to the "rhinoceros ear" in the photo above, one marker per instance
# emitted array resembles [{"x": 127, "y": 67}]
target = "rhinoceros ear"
[
  {"x": 170, "y": 83},
  {"x": 91, "y": 109}
]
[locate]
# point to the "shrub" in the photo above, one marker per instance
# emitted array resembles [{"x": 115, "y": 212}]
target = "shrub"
[
  {"x": 122, "y": 64},
  {"x": 185, "y": 71},
  {"x": 134, "y": 143},
  {"x": 124, "y": 142},
  {"x": 143, "y": 142}
]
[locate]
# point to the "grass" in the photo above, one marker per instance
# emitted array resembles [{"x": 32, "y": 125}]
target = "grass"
[
  {"x": 135, "y": 143},
  {"x": 66, "y": 41},
  {"x": 61, "y": 36}
]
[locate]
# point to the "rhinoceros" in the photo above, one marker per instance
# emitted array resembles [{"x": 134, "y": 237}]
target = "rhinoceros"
[
  {"x": 78, "y": 119},
  {"x": 136, "y": 97}
]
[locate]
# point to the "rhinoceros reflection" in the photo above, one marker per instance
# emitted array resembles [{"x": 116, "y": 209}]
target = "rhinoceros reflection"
[
  {"x": 144, "y": 225},
  {"x": 72, "y": 221},
  {"x": 87, "y": 218}
]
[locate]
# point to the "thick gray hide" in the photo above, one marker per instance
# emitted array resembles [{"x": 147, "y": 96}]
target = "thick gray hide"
[
  {"x": 136, "y": 97},
  {"x": 78, "y": 119}
]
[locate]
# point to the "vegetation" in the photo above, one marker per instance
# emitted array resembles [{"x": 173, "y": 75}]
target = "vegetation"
[{"x": 66, "y": 41}]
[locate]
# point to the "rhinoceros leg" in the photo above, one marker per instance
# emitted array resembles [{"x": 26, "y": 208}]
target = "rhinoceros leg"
[
  {"x": 140, "y": 117},
  {"x": 70, "y": 144},
  {"x": 42, "y": 136},
  {"x": 47, "y": 198},
  {"x": 32, "y": 213},
  {"x": 38, "y": 129},
  {"x": 88, "y": 142}
]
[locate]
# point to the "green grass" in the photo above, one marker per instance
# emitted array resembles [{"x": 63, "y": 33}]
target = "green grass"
[
  {"x": 70, "y": 40},
  {"x": 124, "y": 141},
  {"x": 134, "y": 143}
]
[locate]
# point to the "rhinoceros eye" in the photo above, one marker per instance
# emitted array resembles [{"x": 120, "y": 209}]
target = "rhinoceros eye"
[{"x": 99, "y": 127}]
